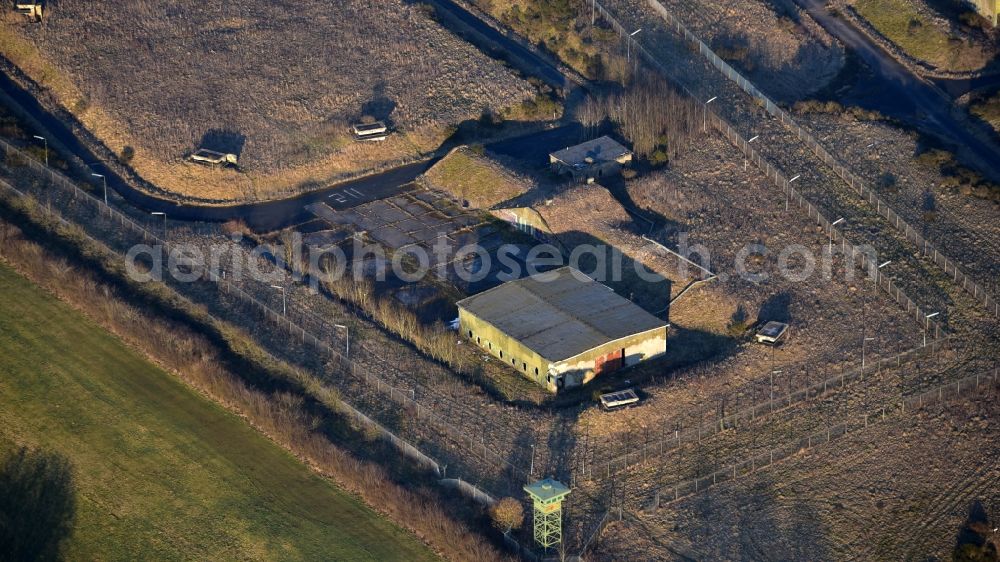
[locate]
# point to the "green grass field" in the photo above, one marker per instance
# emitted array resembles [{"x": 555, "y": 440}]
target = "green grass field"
[{"x": 161, "y": 472}]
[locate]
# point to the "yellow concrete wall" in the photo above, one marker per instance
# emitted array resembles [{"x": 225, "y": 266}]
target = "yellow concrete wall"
[
  {"x": 638, "y": 347},
  {"x": 576, "y": 370},
  {"x": 493, "y": 341}
]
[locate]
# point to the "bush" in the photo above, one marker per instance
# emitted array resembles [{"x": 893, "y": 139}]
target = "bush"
[
  {"x": 738, "y": 323},
  {"x": 887, "y": 181},
  {"x": 128, "y": 153},
  {"x": 507, "y": 515}
]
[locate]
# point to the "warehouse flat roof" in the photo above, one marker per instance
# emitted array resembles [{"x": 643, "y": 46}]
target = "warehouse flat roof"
[
  {"x": 603, "y": 149},
  {"x": 561, "y": 313}
]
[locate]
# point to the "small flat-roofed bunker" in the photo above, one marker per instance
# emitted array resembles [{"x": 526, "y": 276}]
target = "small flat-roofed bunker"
[
  {"x": 213, "y": 158},
  {"x": 561, "y": 328},
  {"x": 592, "y": 159},
  {"x": 31, "y": 9},
  {"x": 772, "y": 333},
  {"x": 377, "y": 131}
]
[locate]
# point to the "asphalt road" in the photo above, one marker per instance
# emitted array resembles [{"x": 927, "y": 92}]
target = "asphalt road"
[
  {"x": 270, "y": 215},
  {"x": 267, "y": 215},
  {"x": 895, "y": 91}
]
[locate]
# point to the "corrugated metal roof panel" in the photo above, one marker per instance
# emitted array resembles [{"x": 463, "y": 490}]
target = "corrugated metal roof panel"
[{"x": 561, "y": 313}]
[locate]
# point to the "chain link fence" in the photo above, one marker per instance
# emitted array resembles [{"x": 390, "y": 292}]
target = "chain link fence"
[
  {"x": 594, "y": 467},
  {"x": 978, "y": 383},
  {"x": 856, "y": 183},
  {"x": 792, "y": 196},
  {"x": 95, "y": 218}
]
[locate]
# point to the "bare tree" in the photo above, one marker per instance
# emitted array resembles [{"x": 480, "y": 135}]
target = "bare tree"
[{"x": 657, "y": 118}]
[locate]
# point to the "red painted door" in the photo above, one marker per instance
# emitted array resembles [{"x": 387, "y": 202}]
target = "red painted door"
[{"x": 609, "y": 362}]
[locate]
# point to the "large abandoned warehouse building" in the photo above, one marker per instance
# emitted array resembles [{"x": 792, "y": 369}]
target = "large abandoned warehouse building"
[{"x": 561, "y": 328}]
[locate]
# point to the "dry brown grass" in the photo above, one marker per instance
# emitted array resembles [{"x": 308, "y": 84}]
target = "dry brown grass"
[
  {"x": 470, "y": 176},
  {"x": 277, "y": 83},
  {"x": 589, "y": 214}
]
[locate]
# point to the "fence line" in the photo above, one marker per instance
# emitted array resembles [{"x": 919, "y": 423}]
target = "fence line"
[
  {"x": 403, "y": 397},
  {"x": 866, "y": 193},
  {"x": 396, "y": 395},
  {"x": 775, "y": 175},
  {"x": 968, "y": 385},
  {"x": 596, "y": 468}
]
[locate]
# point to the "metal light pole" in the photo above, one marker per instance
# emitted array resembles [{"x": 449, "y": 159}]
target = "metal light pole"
[
  {"x": 864, "y": 341},
  {"x": 745, "y": 157},
  {"x": 879, "y": 268},
  {"x": 347, "y": 347},
  {"x": 105, "y": 181},
  {"x": 927, "y": 321},
  {"x": 155, "y": 213},
  {"x": 531, "y": 470},
  {"x": 628, "y": 44},
  {"x": 284, "y": 308},
  {"x": 833, "y": 224},
  {"x": 864, "y": 316},
  {"x": 788, "y": 191},
  {"x": 704, "y": 124},
  {"x": 46, "y": 141}
]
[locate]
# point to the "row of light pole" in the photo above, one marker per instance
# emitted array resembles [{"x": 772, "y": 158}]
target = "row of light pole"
[
  {"x": 45, "y": 141},
  {"x": 347, "y": 331},
  {"x": 284, "y": 303},
  {"x": 864, "y": 339}
]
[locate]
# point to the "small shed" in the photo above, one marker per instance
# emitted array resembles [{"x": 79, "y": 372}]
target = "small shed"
[{"x": 592, "y": 159}]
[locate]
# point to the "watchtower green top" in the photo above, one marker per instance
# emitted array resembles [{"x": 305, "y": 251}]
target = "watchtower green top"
[{"x": 547, "y": 491}]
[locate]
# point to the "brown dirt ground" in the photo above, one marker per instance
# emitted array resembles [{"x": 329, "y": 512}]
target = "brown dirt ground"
[{"x": 900, "y": 490}]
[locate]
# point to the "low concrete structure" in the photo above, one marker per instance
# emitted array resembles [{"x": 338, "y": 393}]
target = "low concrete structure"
[
  {"x": 213, "y": 158},
  {"x": 377, "y": 131},
  {"x": 561, "y": 328},
  {"x": 772, "y": 333},
  {"x": 592, "y": 159},
  {"x": 32, "y": 10}
]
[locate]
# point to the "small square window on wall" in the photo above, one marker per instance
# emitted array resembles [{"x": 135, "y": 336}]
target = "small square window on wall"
[
  {"x": 536, "y": 371},
  {"x": 524, "y": 366},
  {"x": 470, "y": 334}
]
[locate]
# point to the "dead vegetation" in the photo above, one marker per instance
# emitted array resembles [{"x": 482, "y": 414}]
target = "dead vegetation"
[
  {"x": 864, "y": 497},
  {"x": 651, "y": 113},
  {"x": 276, "y": 84},
  {"x": 773, "y": 43}
]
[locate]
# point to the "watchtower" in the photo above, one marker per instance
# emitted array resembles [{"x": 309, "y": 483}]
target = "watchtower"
[{"x": 547, "y": 497}]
